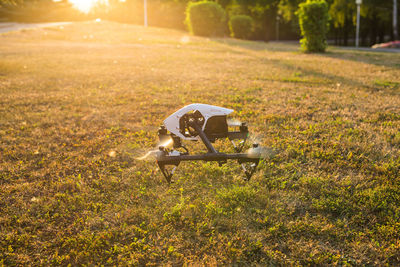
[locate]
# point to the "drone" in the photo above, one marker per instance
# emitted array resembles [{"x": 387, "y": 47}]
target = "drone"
[{"x": 205, "y": 123}]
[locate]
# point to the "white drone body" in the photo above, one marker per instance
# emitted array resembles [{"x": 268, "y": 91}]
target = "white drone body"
[
  {"x": 206, "y": 123},
  {"x": 207, "y": 111}
]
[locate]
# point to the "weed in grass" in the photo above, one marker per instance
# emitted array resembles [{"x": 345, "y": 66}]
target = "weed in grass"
[{"x": 387, "y": 84}]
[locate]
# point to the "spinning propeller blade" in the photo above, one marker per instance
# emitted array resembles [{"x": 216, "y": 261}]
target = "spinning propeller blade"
[
  {"x": 167, "y": 143},
  {"x": 260, "y": 152}
]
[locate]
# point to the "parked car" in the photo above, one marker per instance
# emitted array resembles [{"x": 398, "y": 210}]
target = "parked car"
[{"x": 394, "y": 44}]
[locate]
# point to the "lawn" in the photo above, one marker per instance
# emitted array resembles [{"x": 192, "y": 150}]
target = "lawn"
[{"x": 79, "y": 103}]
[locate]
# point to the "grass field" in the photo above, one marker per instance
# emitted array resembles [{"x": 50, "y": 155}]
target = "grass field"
[{"x": 78, "y": 103}]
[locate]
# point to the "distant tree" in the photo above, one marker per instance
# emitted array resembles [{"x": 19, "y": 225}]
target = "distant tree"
[
  {"x": 377, "y": 20},
  {"x": 288, "y": 9},
  {"x": 263, "y": 13},
  {"x": 205, "y": 18},
  {"x": 241, "y": 26},
  {"x": 38, "y": 10},
  {"x": 224, "y": 3},
  {"x": 342, "y": 13},
  {"x": 314, "y": 23}
]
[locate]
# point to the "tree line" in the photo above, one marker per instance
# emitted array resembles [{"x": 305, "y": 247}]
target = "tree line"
[
  {"x": 39, "y": 11},
  {"x": 272, "y": 19}
]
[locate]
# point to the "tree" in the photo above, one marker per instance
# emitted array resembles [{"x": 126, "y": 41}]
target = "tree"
[
  {"x": 377, "y": 20},
  {"x": 342, "y": 13},
  {"x": 241, "y": 26},
  {"x": 38, "y": 10},
  {"x": 263, "y": 13},
  {"x": 314, "y": 23},
  {"x": 205, "y": 18}
]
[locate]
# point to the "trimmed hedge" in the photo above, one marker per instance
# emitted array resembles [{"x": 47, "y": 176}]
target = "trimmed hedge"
[
  {"x": 205, "y": 18},
  {"x": 241, "y": 26},
  {"x": 314, "y": 25}
]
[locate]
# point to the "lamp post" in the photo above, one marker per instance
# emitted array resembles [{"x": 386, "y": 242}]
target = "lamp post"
[
  {"x": 358, "y": 2},
  {"x": 277, "y": 26},
  {"x": 145, "y": 12},
  {"x": 395, "y": 33}
]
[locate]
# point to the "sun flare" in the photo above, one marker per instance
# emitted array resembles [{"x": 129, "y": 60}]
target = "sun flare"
[{"x": 85, "y": 5}]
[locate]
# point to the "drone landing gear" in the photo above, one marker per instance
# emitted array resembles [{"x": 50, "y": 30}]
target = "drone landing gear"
[
  {"x": 167, "y": 173},
  {"x": 248, "y": 163},
  {"x": 249, "y": 168}
]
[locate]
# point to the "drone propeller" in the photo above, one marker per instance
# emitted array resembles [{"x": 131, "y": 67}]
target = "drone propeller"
[
  {"x": 147, "y": 155},
  {"x": 256, "y": 152},
  {"x": 260, "y": 152},
  {"x": 167, "y": 143}
]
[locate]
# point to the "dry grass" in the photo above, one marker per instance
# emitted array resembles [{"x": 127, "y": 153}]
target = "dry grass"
[{"x": 77, "y": 103}]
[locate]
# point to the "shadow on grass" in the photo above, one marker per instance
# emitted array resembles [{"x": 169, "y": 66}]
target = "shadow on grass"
[
  {"x": 259, "y": 45},
  {"x": 330, "y": 78},
  {"x": 377, "y": 58},
  {"x": 388, "y": 87},
  {"x": 374, "y": 58}
]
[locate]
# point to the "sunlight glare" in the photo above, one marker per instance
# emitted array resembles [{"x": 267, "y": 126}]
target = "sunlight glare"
[
  {"x": 84, "y": 5},
  {"x": 185, "y": 39}
]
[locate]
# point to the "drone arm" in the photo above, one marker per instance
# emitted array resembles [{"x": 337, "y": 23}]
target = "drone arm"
[
  {"x": 204, "y": 138},
  {"x": 173, "y": 160}
]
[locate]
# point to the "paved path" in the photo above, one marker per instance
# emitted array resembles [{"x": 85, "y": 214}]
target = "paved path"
[
  {"x": 390, "y": 50},
  {"x": 367, "y": 49},
  {"x": 13, "y": 26}
]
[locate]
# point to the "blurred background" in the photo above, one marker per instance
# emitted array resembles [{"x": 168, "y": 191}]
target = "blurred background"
[{"x": 273, "y": 19}]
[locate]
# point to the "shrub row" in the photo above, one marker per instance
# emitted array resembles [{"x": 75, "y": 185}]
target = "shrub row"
[{"x": 206, "y": 18}]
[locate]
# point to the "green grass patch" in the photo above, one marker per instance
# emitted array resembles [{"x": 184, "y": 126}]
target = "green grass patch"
[
  {"x": 78, "y": 104},
  {"x": 387, "y": 84}
]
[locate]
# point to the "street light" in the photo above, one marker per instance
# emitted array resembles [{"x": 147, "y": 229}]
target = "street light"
[
  {"x": 277, "y": 26},
  {"x": 358, "y": 2},
  {"x": 145, "y": 12},
  {"x": 395, "y": 33}
]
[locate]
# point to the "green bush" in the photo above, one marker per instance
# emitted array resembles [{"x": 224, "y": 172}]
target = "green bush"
[
  {"x": 314, "y": 24},
  {"x": 205, "y": 18},
  {"x": 241, "y": 26}
]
